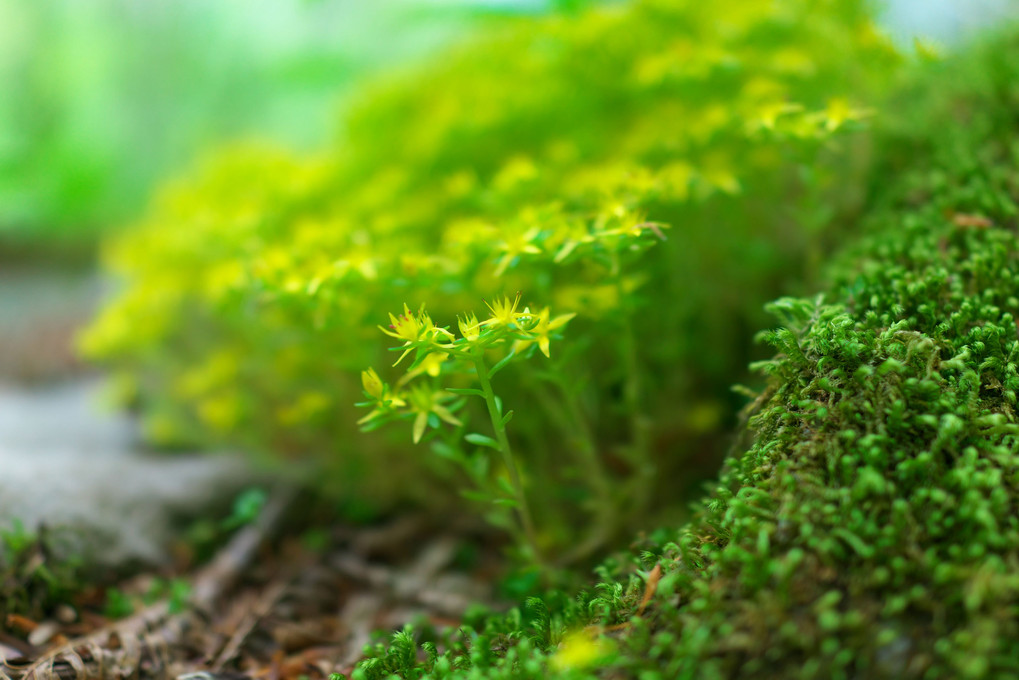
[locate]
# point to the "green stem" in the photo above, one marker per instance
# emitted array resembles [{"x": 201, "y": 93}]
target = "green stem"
[
  {"x": 579, "y": 434},
  {"x": 606, "y": 511},
  {"x": 507, "y": 457},
  {"x": 640, "y": 425}
]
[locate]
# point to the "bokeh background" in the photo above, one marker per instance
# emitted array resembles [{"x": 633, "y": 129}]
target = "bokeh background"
[{"x": 101, "y": 99}]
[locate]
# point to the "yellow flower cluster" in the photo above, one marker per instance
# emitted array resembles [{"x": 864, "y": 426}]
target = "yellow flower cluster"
[
  {"x": 506, "y": 328},
  {"x": 546, "y": 156}
]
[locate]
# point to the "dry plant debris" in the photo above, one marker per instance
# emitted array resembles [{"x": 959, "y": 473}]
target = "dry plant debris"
[{"x": 264, "y": 608}]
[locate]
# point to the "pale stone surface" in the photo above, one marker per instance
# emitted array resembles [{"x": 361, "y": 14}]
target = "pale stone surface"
[{"x": 68, "y": 462}]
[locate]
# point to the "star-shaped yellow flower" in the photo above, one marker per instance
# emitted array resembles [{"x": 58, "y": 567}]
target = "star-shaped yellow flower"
[
  {"x": 542, "y": 330},
  {"x": 412, "y": 327},
  {"x": 504, "y": 312},
  {"x": 424, "y": 401}
]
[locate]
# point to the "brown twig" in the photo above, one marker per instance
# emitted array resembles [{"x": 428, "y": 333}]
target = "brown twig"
[{"x": 261, "y": 609}]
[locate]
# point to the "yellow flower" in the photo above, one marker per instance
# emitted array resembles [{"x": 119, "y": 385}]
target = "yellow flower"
[
  {"x": 837, "y": 113},
  {"x": 768, "y": 114},
  {"x": 571, "y": 235},
  {"x": 372, "y": 384},
  {"x": 408, "y": 326},
  {"x": 516, "y": 246},
  {"x": 504, "y": 312},
  {"x": 578, "y": 650},
  {"x": 378, "y": 391},
  {"x": 470, "y": 329},
  {"x": 412, "y": 328},
  {"x": 542, "y": 330},
  {"x": 430, "y": 365},
  {"x": 424, "y": 401}
]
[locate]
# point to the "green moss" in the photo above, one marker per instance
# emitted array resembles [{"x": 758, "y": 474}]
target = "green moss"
[
  {"x": 34, "y": 581},
  {"x": 871, "y": 527}
]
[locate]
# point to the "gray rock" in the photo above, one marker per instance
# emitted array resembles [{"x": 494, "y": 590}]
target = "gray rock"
[{"x": 68, "y": 463}]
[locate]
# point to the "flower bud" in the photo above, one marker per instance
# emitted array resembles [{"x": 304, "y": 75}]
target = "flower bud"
[{"x": 372, "y": 384}]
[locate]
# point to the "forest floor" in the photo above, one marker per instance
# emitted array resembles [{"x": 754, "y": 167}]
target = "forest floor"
[
  {"x": 267, "y": 606},
  {"x": 275, "y": 600}
]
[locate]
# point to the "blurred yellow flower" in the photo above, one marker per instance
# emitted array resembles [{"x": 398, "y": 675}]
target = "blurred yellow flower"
[
  {"x": 372, "y": 383},
  {"x": 470, "y": 329},
  {"x": 425, "y": 401},
  {"x": 504, "y": 312},
  {"x": 411, "y": 328},
  {"x": 542, "y": 330},
  {"x": 577, "y": 651},
  {"x": 430, "y": 365}
]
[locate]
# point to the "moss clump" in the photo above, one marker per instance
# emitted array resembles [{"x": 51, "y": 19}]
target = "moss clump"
[{"x": 871, "y": 528}]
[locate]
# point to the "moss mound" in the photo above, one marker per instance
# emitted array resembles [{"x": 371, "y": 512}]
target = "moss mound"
[{"x": 871, "y": 528}]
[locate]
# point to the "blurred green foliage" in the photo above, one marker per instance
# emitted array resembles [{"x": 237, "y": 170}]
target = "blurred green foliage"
[
  {"x": 32, "y": 582},
  {"x": 542, "y": 156},
  {"x": 99, "y": 99}
]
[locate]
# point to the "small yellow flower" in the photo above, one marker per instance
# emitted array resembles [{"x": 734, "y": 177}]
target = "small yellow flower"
[
  {"x": 837, "y": 113},
  {"x": 578, "y": 650},
  {"x": 430, "y": 365},
  {"x": 379, "y": 391},
  {"x": 372, "y": 384},
  {"x": 504, "y": 312},
  {"x": 412, "y": 328},
  {"x": 470, "y": 329},
  {"x": 516, "y": 246},
  {"x": 408, "y": 326},
  {"x": 542, "y": 330},
  {"x": 768, "y": 114},
  {"x": 424, "y": 401}
]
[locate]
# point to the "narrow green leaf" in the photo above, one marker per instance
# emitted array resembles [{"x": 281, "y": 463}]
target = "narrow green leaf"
[
  {"x": 503, "y": 484},
  {"x": 466, "y": 391},
  {"x": 506, "y": 418},
  {"x": 444, "y": 450},
  {"x": 482, "y": 440},
  {"x": 478, "y": 469},
  {"x": 499, "y": 366}
]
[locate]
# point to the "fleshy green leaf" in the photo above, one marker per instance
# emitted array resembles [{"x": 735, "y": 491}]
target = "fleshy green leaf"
[{"x": 482, "y": 440}]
